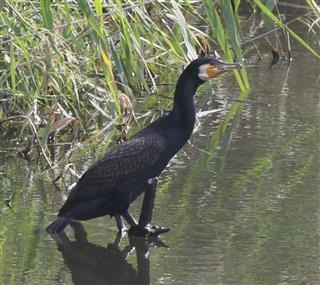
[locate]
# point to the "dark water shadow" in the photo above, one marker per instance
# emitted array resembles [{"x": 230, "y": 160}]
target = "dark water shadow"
[{"x": 89, "y": 263}]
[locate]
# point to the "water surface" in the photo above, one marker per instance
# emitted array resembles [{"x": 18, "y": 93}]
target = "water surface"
[{"x": 242, "y": 198}]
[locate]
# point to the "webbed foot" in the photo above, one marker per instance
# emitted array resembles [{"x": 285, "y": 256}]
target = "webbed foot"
[{"x": 147, "y": 231}]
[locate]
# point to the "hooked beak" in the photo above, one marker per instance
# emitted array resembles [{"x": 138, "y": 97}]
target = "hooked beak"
[{"x": 217, "y": 67}]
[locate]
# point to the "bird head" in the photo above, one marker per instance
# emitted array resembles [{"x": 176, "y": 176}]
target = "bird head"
[
  {"x": 211, "y": 67},
  {"x": 215, "y": 67}
]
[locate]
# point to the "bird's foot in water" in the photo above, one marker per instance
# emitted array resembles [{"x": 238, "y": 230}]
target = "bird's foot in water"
[{"x": 147, "y": 231}]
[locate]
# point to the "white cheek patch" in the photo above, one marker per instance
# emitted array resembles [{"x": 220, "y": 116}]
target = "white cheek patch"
[{"x": 203, "y": 74}]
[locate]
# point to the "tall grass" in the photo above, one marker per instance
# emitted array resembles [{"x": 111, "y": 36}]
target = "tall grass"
[
  {"x": 77, "y": 64},
  {"x": 75, "y": 59}
]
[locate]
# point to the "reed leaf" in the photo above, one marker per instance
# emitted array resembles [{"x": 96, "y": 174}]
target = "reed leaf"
[
  {"x": 233, "y": 33},
  {"x": 46, "y": 14},
  {"x": 12, "y": 69}
]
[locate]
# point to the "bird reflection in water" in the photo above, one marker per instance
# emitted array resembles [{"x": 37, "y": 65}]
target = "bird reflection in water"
[{"x": 94, "y": 264}]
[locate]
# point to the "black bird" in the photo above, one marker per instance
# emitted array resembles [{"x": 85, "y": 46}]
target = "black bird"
[{"x": 132, "y": 167}]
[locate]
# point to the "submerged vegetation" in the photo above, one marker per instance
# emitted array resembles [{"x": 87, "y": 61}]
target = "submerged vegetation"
[{"x": 83, "y": 65}]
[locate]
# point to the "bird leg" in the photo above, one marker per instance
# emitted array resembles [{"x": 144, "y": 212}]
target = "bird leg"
[
  {"x": 120, "y": 235},
  {"x": 144, "y": 228},
  {"x": 146, "y": 212},
  {"x": 121, "y": 227},
  {"x": 130, "y": 219}
]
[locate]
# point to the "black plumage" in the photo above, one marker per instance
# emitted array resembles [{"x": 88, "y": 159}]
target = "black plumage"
[{"x": 115, "y": 181}]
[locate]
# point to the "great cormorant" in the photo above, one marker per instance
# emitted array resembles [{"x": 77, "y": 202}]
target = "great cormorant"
[{"x": 132, "y": 167}]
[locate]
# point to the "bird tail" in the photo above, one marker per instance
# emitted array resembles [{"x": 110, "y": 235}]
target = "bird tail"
[{"x": 58, "y": 225}]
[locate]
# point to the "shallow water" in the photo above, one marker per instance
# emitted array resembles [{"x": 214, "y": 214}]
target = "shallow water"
[{"x": 242, "y": 199}]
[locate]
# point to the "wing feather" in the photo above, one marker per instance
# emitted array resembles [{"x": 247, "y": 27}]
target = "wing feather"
[{"x": 124, "y": 163}]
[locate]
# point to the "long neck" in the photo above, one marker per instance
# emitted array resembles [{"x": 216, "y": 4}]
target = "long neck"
[{"x": 183, "y": 106}]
